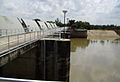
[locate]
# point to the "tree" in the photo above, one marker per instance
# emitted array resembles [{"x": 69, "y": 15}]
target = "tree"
[
  {"x": 59, "y": 23},
  {"x": 71, "y": 22},
  {"x": 50, "y": 21}
]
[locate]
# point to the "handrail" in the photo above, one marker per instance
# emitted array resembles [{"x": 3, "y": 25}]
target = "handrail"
[
  {"x": 23, "y": 80},
  {"x": 8, "y": 40}
]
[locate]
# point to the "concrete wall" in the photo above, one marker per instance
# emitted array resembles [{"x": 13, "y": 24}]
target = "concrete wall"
[{"x": 54, "y": 62}]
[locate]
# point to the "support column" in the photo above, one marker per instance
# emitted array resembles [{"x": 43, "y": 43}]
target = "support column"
[{"x": 54, "y": 59}]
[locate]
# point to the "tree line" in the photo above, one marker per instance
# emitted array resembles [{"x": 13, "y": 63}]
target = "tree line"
[{"x": 86, "y": 25}]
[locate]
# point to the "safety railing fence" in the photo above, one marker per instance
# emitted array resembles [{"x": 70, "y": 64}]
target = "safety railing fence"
[
  {"x": 14, "y": 37},
  {"x": 2, "y": 79}
]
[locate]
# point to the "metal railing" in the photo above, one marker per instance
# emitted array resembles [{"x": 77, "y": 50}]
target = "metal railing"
[
  {"x": 14, "y": 37},
  {"x": 2, "y": 79}
]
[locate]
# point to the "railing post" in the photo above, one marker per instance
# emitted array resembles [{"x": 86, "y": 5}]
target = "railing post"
[
  {"x": 18, "y": 38},
  {"x": 8, "y": 41},
  {"x": 24, "y": 37},
  {"x": 1, "y": 32},
  {"x": 40, "y": 34},
  {"x": 52, "y": 32},
  {"x": 30, "y": 36},
  {"x": 37, "y": 34},
  {"x": 47, "y": 32},
  {"x": 43, "y": 34},
  {"x": 6, "y": 32},
  {"x": 34, "y": 35},
  {"x": 60, "y": 33},
  {"x": 11, "y": 32}
]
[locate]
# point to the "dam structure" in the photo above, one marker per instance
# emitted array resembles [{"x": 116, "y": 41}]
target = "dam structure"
[{"x": 19, "y": 36}]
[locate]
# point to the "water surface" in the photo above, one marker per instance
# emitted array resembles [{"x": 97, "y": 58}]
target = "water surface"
[{"x": 95, "y": 60}]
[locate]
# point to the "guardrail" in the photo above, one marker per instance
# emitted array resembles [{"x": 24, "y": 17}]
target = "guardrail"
[
  {"x": 10, "y": 38},
  {"x": 23, "y": 80}
]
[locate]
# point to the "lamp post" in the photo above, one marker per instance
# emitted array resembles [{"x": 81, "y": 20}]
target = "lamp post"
[{"x": 64, "y": 11}]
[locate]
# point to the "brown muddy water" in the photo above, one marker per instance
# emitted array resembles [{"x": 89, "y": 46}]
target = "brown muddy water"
[{"x": 95, "y": 60}]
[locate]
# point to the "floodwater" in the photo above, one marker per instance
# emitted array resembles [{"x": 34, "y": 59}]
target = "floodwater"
[{"x": 95, "y": 60}]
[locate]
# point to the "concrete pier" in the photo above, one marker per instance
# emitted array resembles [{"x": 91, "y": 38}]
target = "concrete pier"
[{"x": 54, "y": 59}]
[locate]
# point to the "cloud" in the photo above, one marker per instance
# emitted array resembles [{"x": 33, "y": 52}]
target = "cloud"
[{"x": 93, "y": 11}]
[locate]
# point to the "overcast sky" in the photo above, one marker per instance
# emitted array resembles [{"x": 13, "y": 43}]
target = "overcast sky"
[{"x": 93, "y": 11}]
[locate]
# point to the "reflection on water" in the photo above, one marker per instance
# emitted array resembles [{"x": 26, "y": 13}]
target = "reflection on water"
[
  {"x": 95, "y": 60},
  {"x": 82, "y": 43}
]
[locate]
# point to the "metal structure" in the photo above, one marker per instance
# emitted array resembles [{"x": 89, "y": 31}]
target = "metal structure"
[
  {"x": 22, "y": 80},
  {"x": 8, "y": 24},
  {"x": 13, "y": 26},
  {"x": 15, "y": 31},
  {"x": 64, "y": 11}
]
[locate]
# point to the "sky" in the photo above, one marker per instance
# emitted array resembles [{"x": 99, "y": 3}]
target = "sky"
[{"x": 93, "y": 11}]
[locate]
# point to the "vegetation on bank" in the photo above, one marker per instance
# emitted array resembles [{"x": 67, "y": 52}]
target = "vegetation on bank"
[{"x": 86, "y": 25}]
